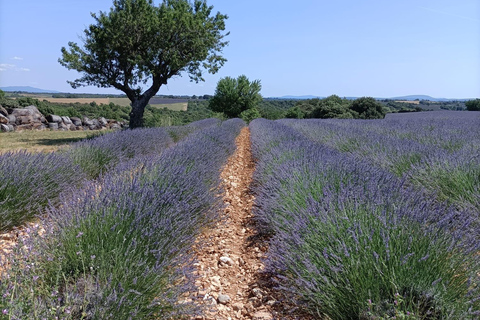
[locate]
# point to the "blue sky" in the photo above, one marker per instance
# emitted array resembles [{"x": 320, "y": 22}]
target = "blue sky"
[{"x": 305, "y": 47}]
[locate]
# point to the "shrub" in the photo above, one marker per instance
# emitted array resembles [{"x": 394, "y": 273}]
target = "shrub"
[
  {"x": 473, "y": 105},
  {"x": 368, "y": 108},
  {"x": 352, "y": 241},
  {"x": 30, "y": 182},
  {"x": 250, "y": 114}
]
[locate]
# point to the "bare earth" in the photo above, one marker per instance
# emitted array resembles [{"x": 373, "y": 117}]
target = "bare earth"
[
  {"x": 228, "y": 265},
  {"x": 230, "y": 259}
]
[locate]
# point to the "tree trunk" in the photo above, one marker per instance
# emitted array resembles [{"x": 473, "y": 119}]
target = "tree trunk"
[{"x": 136, "y": 115}]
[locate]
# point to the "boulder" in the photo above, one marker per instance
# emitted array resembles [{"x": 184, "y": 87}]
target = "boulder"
[
  {"x": 54, "y": 118},
  {"x": 102, "y": 121},
  {"x": 11, "y": 119},
  {"x": 3, "y": 119},
  {"x": 115, "y": 126},
  {"x": 76, "y": 121},
  {"x": 4, "y": 128},
  {"x": 71, "y": 127},
  {"x": 22, "y": 127},
  {"x": 87, "y": 122},
  {"x": 94, "y": 125},
  {"x": 67, "y": 120},
  {"x": 3, "y": 111},
  {"x": 53, "y": 126},
  {"x": 24, "y": 120},
  {"x": 30, "y": 112},
  {"x": 62, "y": 126},
  {"x": 38, "y": 126}
]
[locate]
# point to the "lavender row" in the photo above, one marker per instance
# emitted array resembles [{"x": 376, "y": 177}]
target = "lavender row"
[
  {"x": 439, "y": 151},
  {"x": 122, "y": 246},
  {"x": 353, "y": 241},
  {"x": 31, "y": 181}
]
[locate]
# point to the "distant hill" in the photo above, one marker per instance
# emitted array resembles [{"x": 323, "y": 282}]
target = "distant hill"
[
  {"x": 419, "y": 97},
  {"x": 298, "y": 97},
  {"x": 26, "y": 89}
]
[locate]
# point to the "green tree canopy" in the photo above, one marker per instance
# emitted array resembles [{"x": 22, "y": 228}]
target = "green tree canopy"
[
  {"x": 368, "y": 108},
  {"x": 139, "y": 44},
  {"x": 473, "y": 105},
  {"x": 333, "y": 107},
  {"x": 234, "y": 96}
]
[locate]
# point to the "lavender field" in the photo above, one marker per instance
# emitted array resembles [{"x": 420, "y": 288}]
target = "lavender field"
[
  {"x": 374, "y": 219},
  {"x": 365, "y": 219},
  {"x": 119, "y": 245}
]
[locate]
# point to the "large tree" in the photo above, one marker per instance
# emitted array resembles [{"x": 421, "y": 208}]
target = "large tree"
[
  {"x": 138, "y": 44},
  {"x": 234, "y": 96},
  {"x": 473, "y": 105},
  {"x": 368, "y": 108}
]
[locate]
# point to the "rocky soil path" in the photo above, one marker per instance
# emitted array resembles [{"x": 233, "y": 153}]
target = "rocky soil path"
[{"x": 229, "y": 262}]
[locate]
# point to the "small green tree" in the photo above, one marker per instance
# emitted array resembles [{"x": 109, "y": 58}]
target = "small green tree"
[
  {"x": 294, "y": 113},
  {"x": 2, "y": 95},
  {"x": 234, "y": 96},
  {"x": 250, "y": 114},
  {"x": 473, "y": 105},
  {"x": 333, "y": 107},
  {"x": 138, "y": 43},
  {"x": 368, "y": 108}
]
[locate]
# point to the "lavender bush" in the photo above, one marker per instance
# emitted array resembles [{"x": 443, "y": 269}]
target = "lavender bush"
[
  {"x": 178, "y": 133},
  {"x": 98, "y": 155},
  {"x": 30, "y": 181},
  {"x": 121, "y": 247},
  {"x": 353, "y": 241},
  {"x": 439, "y": 151}
]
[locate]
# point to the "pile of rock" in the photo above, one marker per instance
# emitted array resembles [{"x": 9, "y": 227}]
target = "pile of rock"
[{"x": 29, "y": 118}]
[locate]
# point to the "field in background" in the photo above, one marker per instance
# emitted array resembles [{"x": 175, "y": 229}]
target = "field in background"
[
  {"x": 408, "y": 101},
  {"x": 76, "y": 100},
  {"x": 40, "y": 141},
  {"x": 182, "y": 106},
  {"x": 156, "y": 102}
]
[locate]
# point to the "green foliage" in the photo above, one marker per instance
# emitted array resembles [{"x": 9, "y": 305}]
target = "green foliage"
[
  {"x": 361, "y": 286},
  {"x": 250, "y": 114},
  {"x": 234, "y": 96},
  {"x": 456, "y": 185},
  {"x": 137, "y": 41},
  {"x": 473, "y": 105},
  {"x": 2, "y": 95},
  {"x": 333, "y": 107},
  {"x": 274, "y": 109},
  {"x": 368, "y": 108},
  {"x": 294, "y": 113}
]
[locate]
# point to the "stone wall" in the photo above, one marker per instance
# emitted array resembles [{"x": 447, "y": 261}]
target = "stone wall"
[{"x": 29, "y": 118}]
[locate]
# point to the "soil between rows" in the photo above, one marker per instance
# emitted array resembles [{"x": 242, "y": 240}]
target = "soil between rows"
[{"x": 232, "y": 282}]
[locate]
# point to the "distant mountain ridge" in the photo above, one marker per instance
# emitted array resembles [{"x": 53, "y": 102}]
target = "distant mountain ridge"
[{"x": 26, "y": 89}]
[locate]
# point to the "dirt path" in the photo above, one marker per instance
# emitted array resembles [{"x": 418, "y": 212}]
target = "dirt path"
[{"x": 229, "y": 262}]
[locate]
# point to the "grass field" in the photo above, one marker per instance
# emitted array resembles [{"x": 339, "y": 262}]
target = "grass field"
[
  {"x": 78, "y": 100},
  {"x": 40, "y": 141},
  {"x": 182, "y": 106},
  {"x": 156, "y": 102}
]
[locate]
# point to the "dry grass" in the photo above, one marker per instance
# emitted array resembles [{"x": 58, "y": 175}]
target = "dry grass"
[
  {"x": 77, "y": 100},
  {"x": 124, "y": 102},
  {"x": 40, "y": 141},
  {"x": 172, "y": 106}
]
